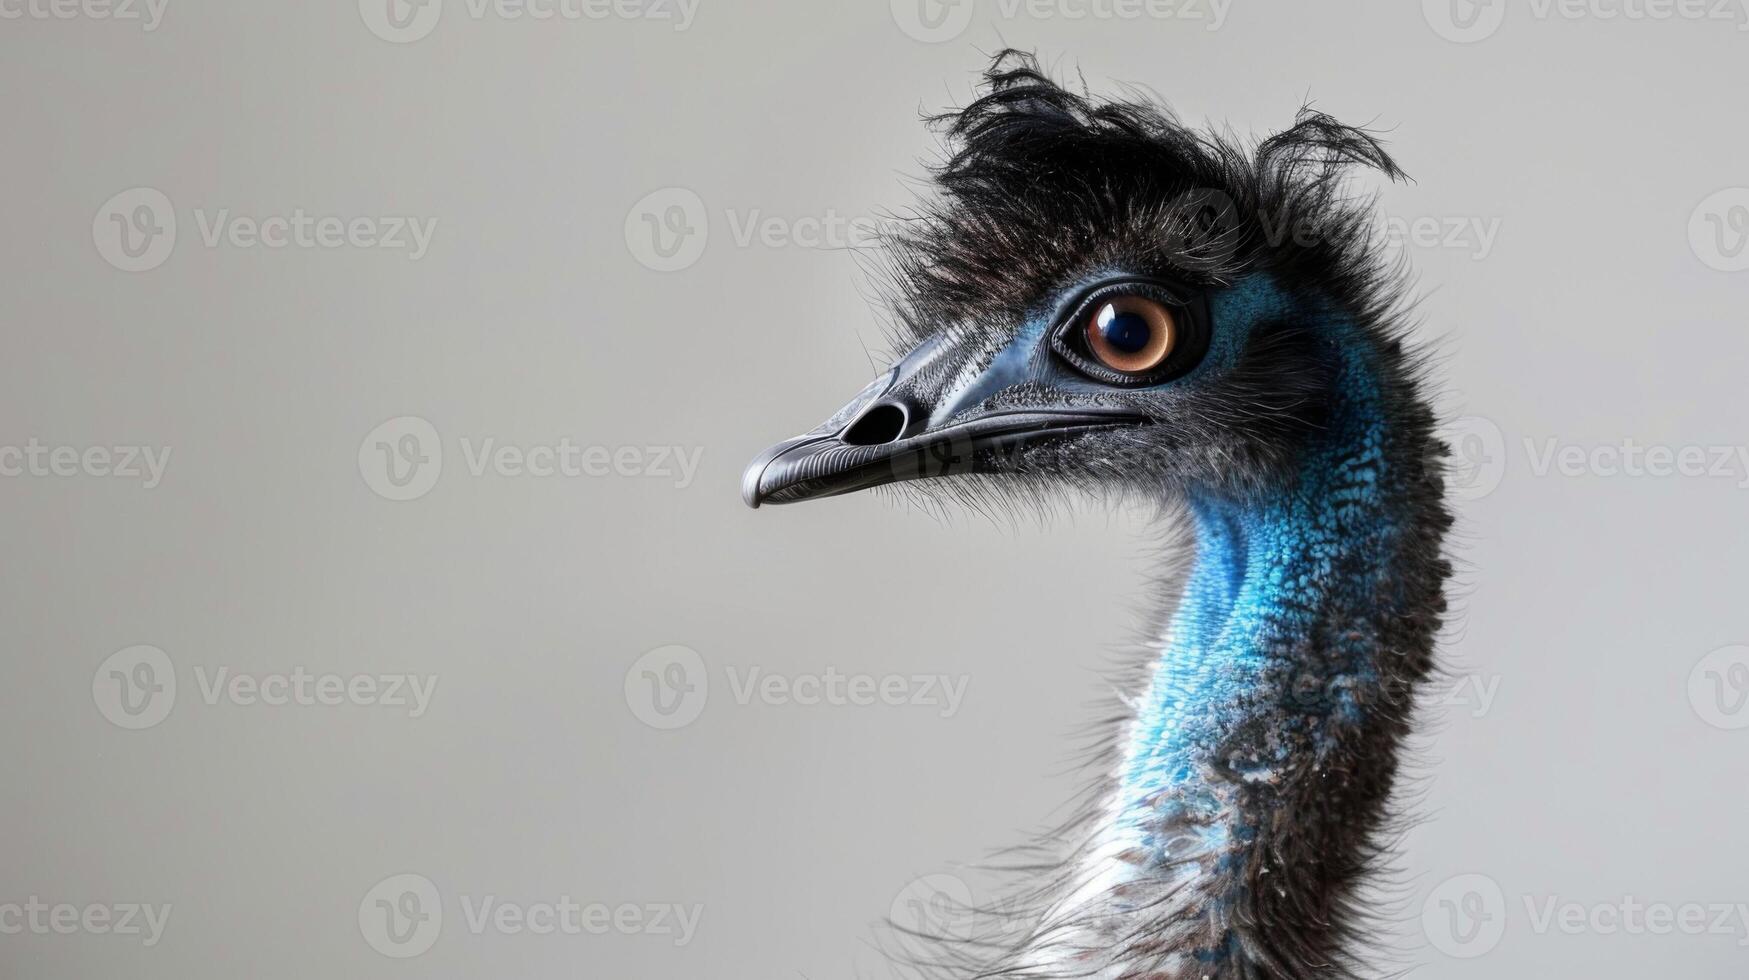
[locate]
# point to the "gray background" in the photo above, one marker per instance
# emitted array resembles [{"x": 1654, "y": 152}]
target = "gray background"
[{"x": 1602, "y": 609}]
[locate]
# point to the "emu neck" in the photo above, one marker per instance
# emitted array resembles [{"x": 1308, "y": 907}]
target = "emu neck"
[
  {"x": 1265, "y": 576},
  {"x": 1262, "y": 752}
]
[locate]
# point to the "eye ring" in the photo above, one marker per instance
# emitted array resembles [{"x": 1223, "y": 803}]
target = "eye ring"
[{"x": 1133, "y": 333}]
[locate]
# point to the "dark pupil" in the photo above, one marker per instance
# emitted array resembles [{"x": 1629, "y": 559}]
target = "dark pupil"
[{"x": 1127, "y": 332}]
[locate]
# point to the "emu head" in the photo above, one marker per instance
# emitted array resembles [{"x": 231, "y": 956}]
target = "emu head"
[{"x": 1101, "y": 299}]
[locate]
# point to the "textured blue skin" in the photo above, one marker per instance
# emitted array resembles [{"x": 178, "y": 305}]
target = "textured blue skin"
[
  {"x": 1268, "y": 666},
  {"x": 1263, "y": 572},
  {"x": 1264, "y": 569}
]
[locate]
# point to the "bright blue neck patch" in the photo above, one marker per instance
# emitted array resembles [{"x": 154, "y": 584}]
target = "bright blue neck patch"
[{"x": 1264, "y": 568}]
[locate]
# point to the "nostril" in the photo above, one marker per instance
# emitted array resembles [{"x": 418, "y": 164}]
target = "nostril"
[{"x": 878, "y": 426}]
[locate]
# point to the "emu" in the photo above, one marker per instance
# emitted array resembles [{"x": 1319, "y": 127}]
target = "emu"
[{"x": 1093, "y": 305}]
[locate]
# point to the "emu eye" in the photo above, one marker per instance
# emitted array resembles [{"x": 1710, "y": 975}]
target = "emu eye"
[{"x": 1131, "y": 334}]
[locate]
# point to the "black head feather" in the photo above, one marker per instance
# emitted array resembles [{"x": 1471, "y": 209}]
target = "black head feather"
[{"x": 1043, "y": 184}]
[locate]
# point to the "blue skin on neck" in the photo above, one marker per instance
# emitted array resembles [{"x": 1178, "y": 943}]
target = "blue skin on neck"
[
  {"x": 1270, "y": 655},
  {"x": 1263, "y": 567}
]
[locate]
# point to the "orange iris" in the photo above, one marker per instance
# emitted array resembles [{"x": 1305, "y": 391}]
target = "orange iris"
[{"x": 1131, "y": 334}]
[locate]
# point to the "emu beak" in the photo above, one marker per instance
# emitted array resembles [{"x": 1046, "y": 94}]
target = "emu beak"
[
  {"x": 825, "y": 465},
  {"x": 884, "y": 436}
]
